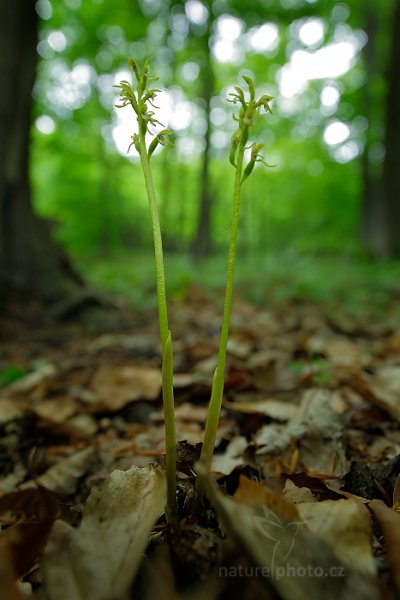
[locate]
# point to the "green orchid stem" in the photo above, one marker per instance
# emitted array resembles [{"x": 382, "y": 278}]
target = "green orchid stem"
[
  {"x": 214, "y": 409},
  {"x": 166, "y": 344}
]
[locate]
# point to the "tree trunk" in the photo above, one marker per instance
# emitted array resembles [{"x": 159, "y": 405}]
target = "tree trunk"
[
  {"x": 29, "y": 260},
  {"x": 372, "y": 214},
  {"x": 202, "y": 243},
  {"x": 391, "y": 165},
  {"x": 380, "y": 220}
]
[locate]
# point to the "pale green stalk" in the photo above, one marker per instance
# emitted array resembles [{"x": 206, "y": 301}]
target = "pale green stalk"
[
  {"x": 248, "y": 110},
  {"x": 211, "y": 429},
  {"x": 139, "y": 100},
  {"x": 165, "y": 334}
]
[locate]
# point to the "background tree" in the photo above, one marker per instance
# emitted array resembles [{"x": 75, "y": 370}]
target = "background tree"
[
  {"x": 29, "y": 259},
  {"x": 202, "y": 243},
  {"x": 100, "y": 208},
  {"x": 380, "y": 217},
  {"x": 391, "y": 165}
]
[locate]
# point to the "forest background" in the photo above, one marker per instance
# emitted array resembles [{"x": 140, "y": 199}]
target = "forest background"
[{"x": 324, "y": 219}]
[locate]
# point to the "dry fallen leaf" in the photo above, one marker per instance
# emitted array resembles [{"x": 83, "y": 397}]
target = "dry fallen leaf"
[
  {"x": 226, "y": 462},
  {"x": 294, "y": 494},
  {"x": 80, "y": 426},
  {"x": 62, "y": 478},
  {"x": 31, "y": 514},
  {"x": 386, "y": 388},
  {"x": 252, "y": 493},
  {"x": 28, "y": 383},
  {"x": 382, "y": 389},
  {"x": 396, "y": 495},
  {"x": 114, "y": 387},
  {"x": 389, "y": 521},
  {"x": 186, "y": 412},
  {"x": 10, "y": 409},
  {"x": 56, "y": 410},
  {"x": 276, "y": 409},
  {"x": 317, "y": 417},
  {"x": 346, "y": 527},
  {"x": 342, "y": 352},
  {"x": 157, "y": 580},
  {"x": 8, "y": 587},
  {"x": 99, "y": 559},
  {"x": 297, "y": 563},
  {"x": 325, "y": 458},
  {"x": 140, "y": 344}
]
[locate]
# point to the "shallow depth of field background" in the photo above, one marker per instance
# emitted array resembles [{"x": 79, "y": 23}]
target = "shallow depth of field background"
[{"x": 301, "y": 228}]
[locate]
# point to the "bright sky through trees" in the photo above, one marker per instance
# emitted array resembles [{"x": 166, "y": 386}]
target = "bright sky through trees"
[{"x": 308, "y": 58}]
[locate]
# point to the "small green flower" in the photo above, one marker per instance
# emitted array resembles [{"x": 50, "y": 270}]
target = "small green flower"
[
  {"x": 160, "y": 139},
  {"x": 249, "y": 110},
  {"x": 140, "y": 100}
]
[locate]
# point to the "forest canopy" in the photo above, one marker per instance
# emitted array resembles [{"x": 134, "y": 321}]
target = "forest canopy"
[
  {"x": 333, "y": 137},
  {"x": 311, "y": 56}
]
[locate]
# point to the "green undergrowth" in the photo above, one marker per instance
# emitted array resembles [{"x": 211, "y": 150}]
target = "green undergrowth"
[{"x": 352, "y": 283}]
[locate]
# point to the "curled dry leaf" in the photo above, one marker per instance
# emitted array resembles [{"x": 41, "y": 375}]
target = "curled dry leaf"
[
  {"x": 297, "y": 563},
  {"x": 99, "y": 559}
]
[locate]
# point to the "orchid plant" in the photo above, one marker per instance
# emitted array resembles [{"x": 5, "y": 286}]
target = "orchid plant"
[
  {"x": 249, "y": 110},
  {"x": 141, "y": 99}
]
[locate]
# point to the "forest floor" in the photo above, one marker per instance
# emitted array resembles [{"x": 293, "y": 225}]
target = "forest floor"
[{"x": 304, "y": 497}]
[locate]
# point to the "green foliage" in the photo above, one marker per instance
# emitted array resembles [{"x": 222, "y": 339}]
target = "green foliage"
[
  {"x": 11, "y": 373},
  {"x": 80, "y": 182},
  {"x": 353, "y": 282}
]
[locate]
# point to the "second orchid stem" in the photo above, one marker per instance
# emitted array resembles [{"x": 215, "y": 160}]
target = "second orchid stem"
[
  {"x": 249, "y": 109},
  {"x": 211, "y": 429}
]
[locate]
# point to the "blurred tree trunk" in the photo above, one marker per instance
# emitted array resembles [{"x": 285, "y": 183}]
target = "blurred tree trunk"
[
  {"x": 391, "y": 165},
  {"x": 372, "y": 234},
  {"x": 203, "y": 238},
  {"x": 381, "y": 193},
  {"x": 29, "y": 259}
]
